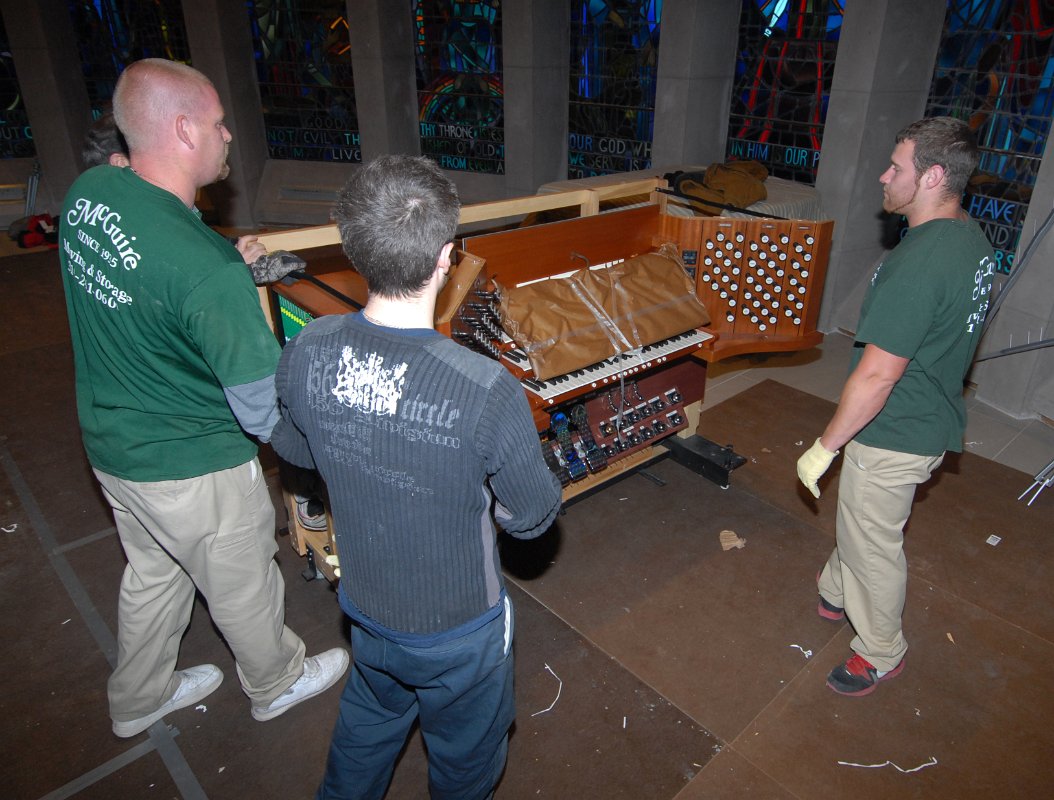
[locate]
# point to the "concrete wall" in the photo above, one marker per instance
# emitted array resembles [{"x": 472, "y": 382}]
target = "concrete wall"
[{"x": 885, "y": 61}]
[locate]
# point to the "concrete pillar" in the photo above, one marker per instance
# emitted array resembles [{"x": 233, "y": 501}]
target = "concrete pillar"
[
  {"x": 697, "y": 60},
  {"x": 382, "y": 57},
  {"x": 220, "y": 43},
  {"x": 536, "y": 75},
  {"x": 886, "y": 54},
  {"x": 45, "y": 53}
]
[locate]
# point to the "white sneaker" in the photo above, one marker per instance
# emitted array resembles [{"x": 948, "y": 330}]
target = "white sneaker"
[
  {"x": 195, "y": 684},
  {"x": 320, "y": 672}
]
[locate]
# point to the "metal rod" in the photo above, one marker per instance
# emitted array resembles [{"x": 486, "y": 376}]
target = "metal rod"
[
  {"x": 300, "y": 275},
  {"x": 1021, "y": 348}
]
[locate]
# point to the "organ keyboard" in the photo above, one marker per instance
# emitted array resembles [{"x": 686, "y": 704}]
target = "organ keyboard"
[{"x": 629, "y": 364}]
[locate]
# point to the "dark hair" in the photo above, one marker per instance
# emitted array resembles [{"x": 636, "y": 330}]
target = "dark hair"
[
  {"x": 394, "y": 217},
  {"x": 948, "y": 142},
  {"x": 103, "y": 140}
]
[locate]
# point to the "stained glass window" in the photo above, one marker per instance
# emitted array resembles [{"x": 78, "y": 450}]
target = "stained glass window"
[
  {"x": 460, "y": 91},
  {"x": 303, "y": 65},
  {"x": 16, "y": 138},
  {"x": 614, "y": 61},
  {"x": 994, "y": 70},
  {"x": 784, "y": 67},
  {"x": 112, "y": 34}
]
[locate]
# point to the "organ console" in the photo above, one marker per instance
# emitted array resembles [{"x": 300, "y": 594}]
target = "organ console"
[{"x": 760, "y": 280}]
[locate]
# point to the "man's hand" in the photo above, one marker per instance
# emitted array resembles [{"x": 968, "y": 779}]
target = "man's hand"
[
  {"x": 250, "y": 247},
  {"x": 813, "y": 464}
]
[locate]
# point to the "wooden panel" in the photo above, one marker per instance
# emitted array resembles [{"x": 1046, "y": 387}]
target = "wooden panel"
[
  {"x": 540, "y": 251},
  {"x": 301, "y": 238},
  {"x": 463, "y": 278},
  {"x": 762, "y": 282},
  {"x": 614, "y": 470},
  {"x": 587, "y": 202}
]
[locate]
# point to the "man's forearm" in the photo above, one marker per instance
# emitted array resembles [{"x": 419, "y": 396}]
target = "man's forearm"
[
  {"x": 860, "y": 403},
  {"x": 863, "y": 396}
]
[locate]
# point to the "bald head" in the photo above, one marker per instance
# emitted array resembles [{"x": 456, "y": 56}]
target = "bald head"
[
  {"x": 151, "y": 94},
  {"x": 173, "y": 122}
]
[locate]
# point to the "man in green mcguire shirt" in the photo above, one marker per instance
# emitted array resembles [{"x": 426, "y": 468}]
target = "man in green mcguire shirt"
[
  {"x": 174, "y": 364},
  {"x": 902, "y": 407}
]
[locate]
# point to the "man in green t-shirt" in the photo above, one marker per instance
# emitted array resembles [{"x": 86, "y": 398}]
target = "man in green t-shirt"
[
  {"x": 902, "y": 406},
  {"x": 174, "y": 365}
]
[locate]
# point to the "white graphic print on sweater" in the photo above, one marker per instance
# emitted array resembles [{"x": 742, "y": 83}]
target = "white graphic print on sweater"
[{"x": 367, "y": 384}]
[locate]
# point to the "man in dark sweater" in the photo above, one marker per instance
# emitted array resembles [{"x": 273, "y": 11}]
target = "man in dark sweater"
[{"x": 422, "y": 444}]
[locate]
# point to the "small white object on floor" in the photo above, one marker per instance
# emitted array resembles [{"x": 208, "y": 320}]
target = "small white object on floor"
[
  {"x": 930, "y": 763},
  {"x": 559, "y": 689},
  {"x": 807, "y": 653}
]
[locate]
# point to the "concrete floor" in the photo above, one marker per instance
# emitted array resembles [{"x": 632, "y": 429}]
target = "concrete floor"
[{"x": 650, "y": 662}]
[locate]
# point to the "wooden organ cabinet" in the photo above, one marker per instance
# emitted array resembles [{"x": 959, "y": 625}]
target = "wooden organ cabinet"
[{"x": 760, "y": 280}]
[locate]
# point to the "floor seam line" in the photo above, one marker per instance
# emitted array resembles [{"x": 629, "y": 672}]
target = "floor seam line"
[
  {"x": 172, "y": 757},
  {"x": 91, "y": 538},
  {"x": 102, "y": 771},
  {"x": 755, "y": 765}
]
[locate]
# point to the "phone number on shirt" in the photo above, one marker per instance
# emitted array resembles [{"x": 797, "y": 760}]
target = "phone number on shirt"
[{"x": 93, "y": 281}]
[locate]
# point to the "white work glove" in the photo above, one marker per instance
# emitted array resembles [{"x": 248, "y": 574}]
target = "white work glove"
[
  {"x": 334, "y": 561},
  {"x": 813, "y": 464}
]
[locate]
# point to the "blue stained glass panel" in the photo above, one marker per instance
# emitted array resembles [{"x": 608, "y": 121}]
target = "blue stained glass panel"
[
  {"x": 16, "y": 137},
  {"x": 614, "y": 64},
  {"x": 112, "y": 34},
  {"x": 784, "y": 67},
  {"x": 460, "y": 89},
  {"x": 994, "y": 70},
  {"x": 302, "y": 50}
]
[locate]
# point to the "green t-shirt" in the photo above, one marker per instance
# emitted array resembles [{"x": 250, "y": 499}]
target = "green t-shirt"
[
  {"x": 927, "y": 302},
  {"x": 163, "y": 315}
]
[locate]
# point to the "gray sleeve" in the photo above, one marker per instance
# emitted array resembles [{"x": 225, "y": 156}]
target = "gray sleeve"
[
  {"x": 287, "y": 439},
  {"x": 255, "y": 406},
  {"x": 527, "y": 494}
]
